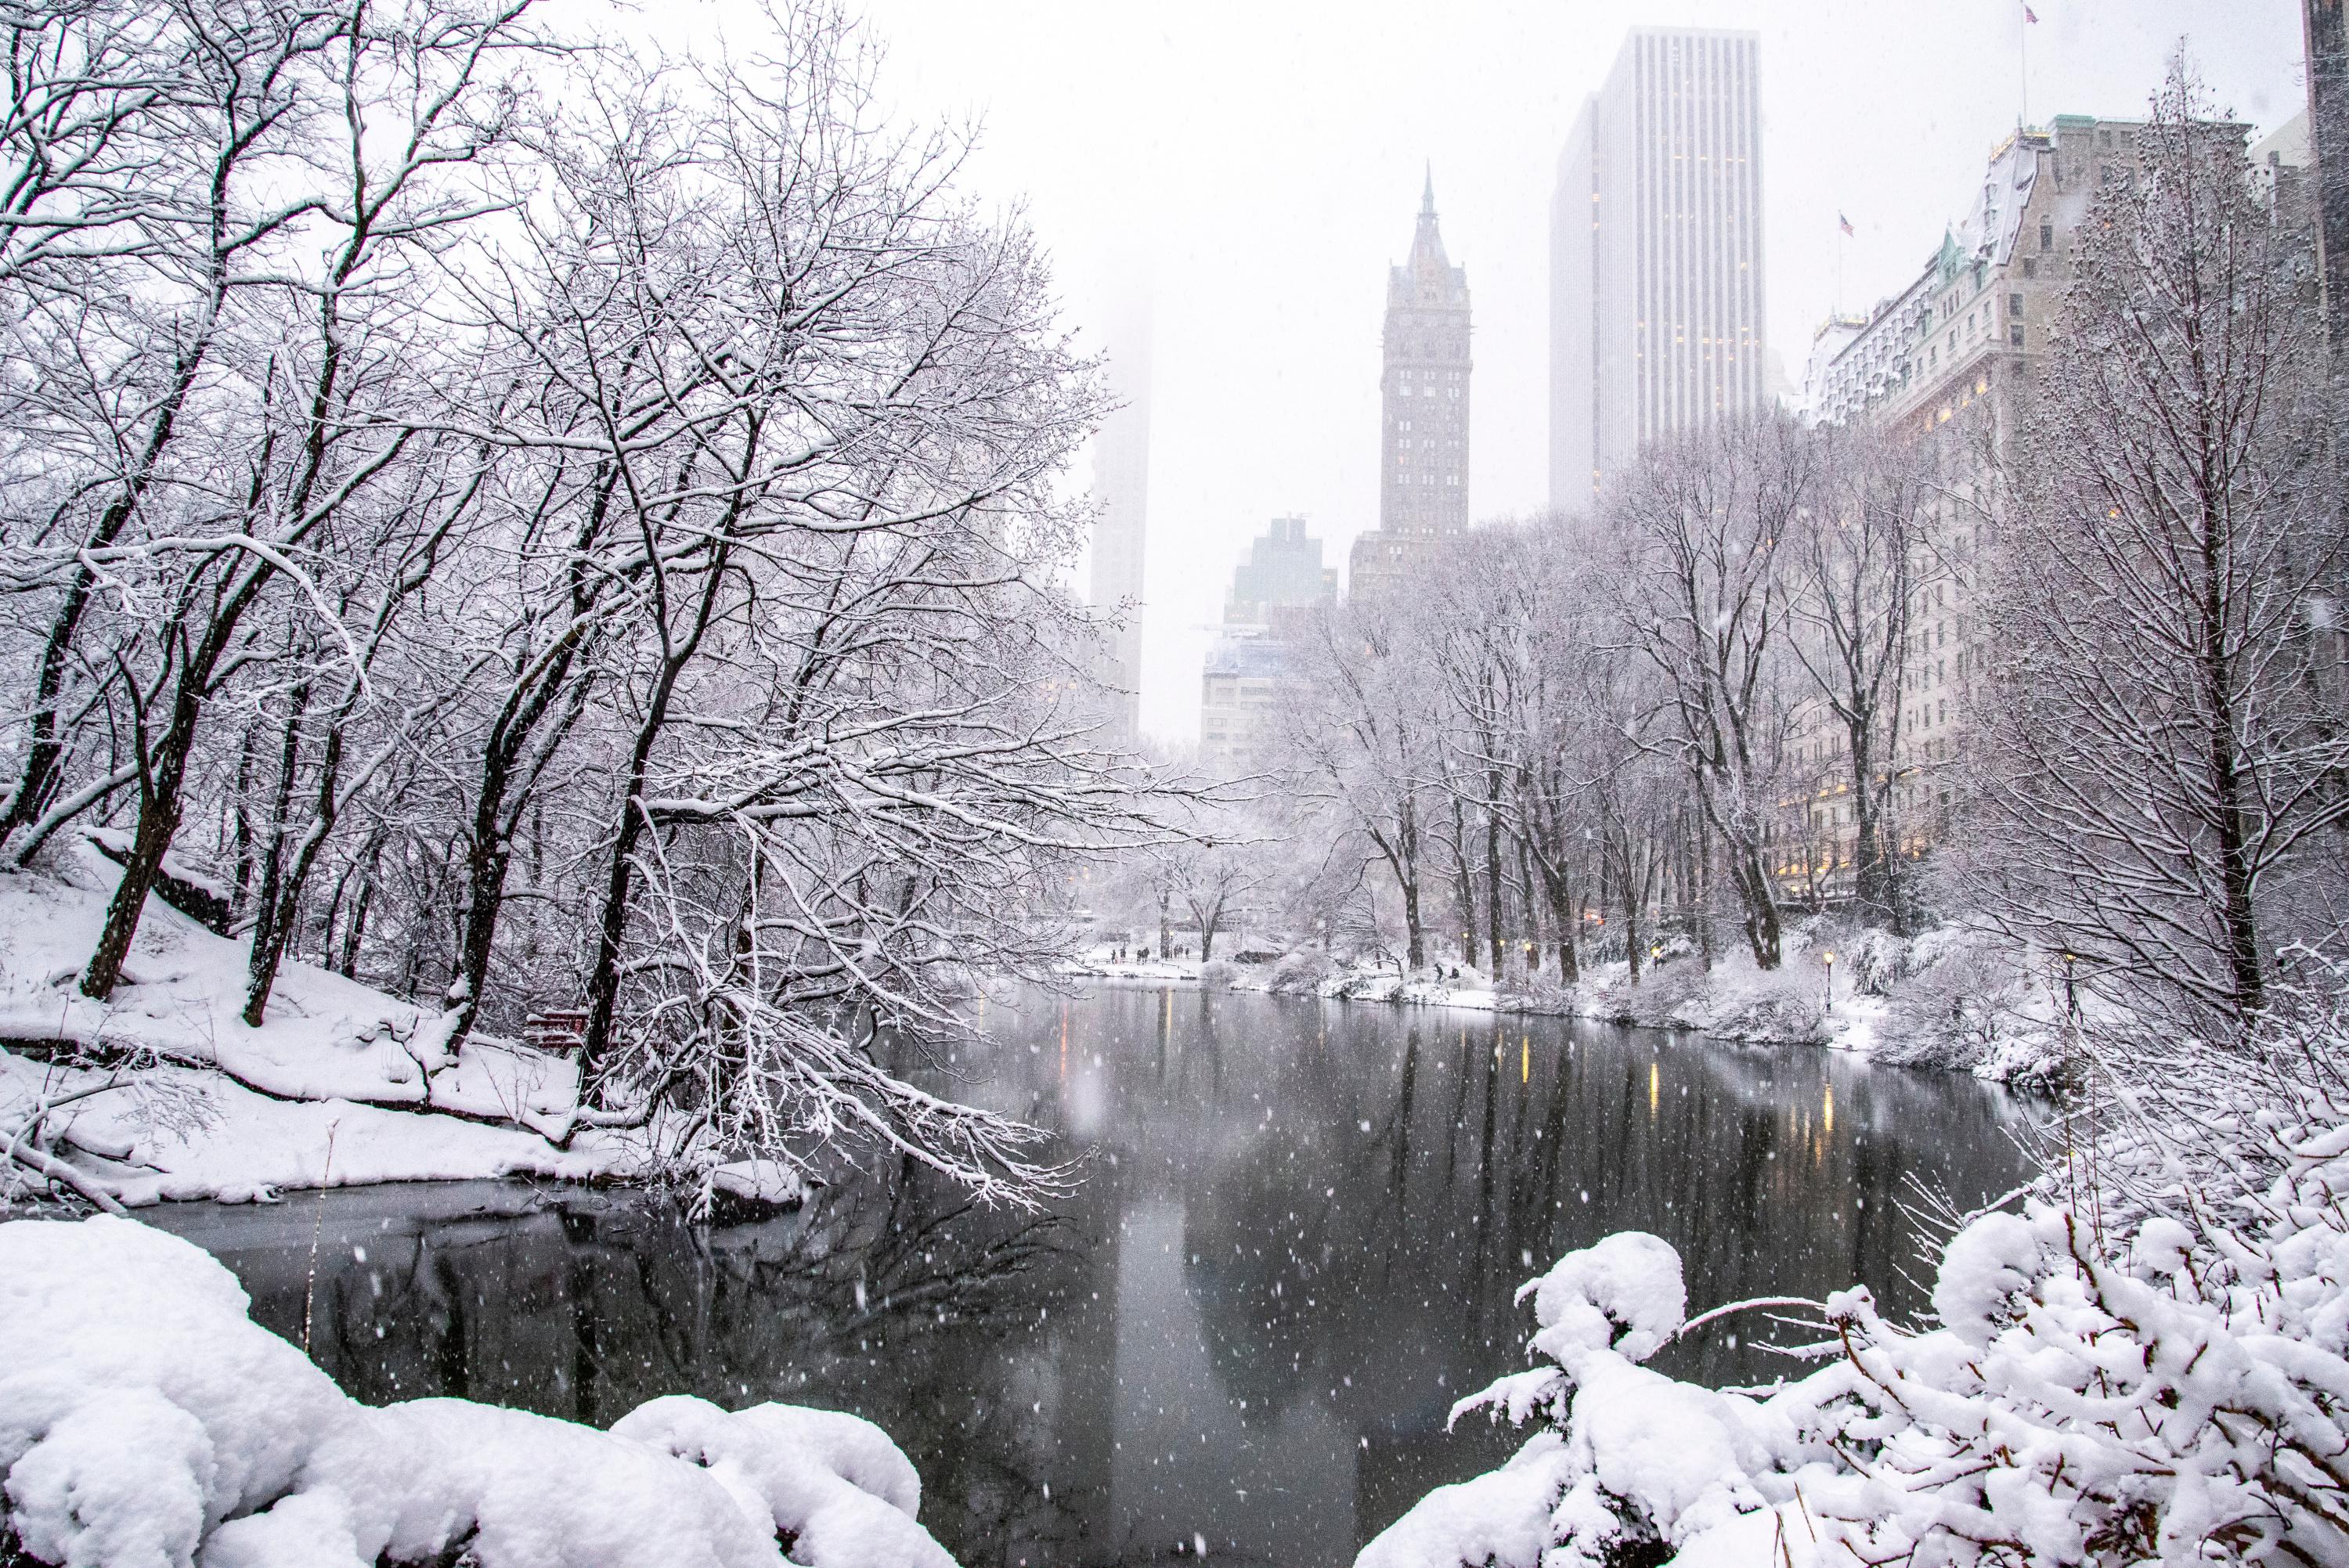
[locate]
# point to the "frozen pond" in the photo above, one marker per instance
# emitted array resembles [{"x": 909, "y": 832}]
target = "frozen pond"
[{"x": 1296, "y": 1244}]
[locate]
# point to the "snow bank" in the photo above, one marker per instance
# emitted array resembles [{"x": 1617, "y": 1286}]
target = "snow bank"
[
  {"x": 176, "y": 1133},
  {"x": 340, "y": 1086},
  {"x": 1952, "y": 996},
  {"x": 146, "y": 1422},
  {"x": 182, "y": 998}
]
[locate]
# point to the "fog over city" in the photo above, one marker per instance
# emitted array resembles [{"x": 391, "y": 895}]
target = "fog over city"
[
  {"x": 1254, "y": 168},
  {"x": 889, "y": 783}
]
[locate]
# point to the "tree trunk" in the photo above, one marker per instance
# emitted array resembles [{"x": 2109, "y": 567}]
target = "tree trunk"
[
  {"x": 1465, "y": 878},
  {"x": 269, "y": 945},
  {"x": 2242, "y": 939},
  {"x": 1702, "y": 865},
  {"x": 1565, "y": 919},
  {"x": 1873, "y": 868},
  {"x": 161, "y": 794},
  {"x": 271, "y": 909},
  {"x": 604, "y": 982},
  {"x": 1529, "y": 903},
  {"x": 1493, "y": 878}
]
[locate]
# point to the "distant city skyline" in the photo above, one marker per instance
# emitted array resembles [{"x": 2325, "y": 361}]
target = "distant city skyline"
[{"x": 1270, "y": 222}]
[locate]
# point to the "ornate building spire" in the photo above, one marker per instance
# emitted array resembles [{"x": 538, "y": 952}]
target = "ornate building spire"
[
  {"x": 1423, "y": 429},
  {"x": 1428, "y": 279}
]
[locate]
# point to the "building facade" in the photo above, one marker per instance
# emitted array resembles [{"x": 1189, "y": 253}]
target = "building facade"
[
  {"x": 1423, "y": 403},
  {"x": 1121, "y": 496},
  {"x": 1942, "y": 362},
  {"x": 1656, "y": 285},
  {"x": 1248, "y": 665}
]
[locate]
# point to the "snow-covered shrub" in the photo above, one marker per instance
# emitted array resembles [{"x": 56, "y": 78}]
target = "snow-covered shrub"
[
  {"x": 1301, "y": 972},
  {"x": 2148, "y": 1364},
  {"x": 1788, "y": 1003},
  {"x": 2154, "y": 1375},
  {"x": 1872, "y": 961},
  {"x": 1962, "y": 998},
  {"x": 1218, "y": 974},
  {"x": 146, "y": 1422}
]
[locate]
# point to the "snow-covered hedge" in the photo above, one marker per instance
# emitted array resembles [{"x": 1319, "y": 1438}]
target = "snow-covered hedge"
[
  {"x": 2178, "y": 1394},
  {"x": 146, "y": 1422}
]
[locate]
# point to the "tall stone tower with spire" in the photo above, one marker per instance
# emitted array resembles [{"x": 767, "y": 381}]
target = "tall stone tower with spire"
[{"x": 1423, "y": 414}]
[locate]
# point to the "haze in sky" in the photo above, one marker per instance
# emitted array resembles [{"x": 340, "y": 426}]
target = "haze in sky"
[{"x": 1256, "y": 167}]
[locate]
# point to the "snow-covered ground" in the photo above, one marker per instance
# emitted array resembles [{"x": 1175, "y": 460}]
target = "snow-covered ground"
[
  {"x": 145, "y": 1420},
  {"x": 1950, "y": 997},
  {"x": 341, "y": 1084}
]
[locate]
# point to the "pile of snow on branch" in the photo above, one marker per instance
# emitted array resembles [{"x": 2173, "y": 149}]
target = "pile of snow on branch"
[
  {"x": 2175, "y": 1396},
  {"x": 146, "y": 1421}
]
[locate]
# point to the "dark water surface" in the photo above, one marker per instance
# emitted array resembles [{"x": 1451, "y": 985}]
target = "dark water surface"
[{"x": 1296, "y": 1244}]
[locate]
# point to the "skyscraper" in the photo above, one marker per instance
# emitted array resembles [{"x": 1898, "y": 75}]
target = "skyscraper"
[
  {"x": 1655, "y": 254},
  {"x": 1281, "y": 584},
  {"x": 1121, "y": 495},
  {"x": 1424, "y": 401}
]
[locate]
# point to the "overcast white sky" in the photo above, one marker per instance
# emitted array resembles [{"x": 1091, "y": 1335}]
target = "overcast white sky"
[{"x": 1257, "y": 164}]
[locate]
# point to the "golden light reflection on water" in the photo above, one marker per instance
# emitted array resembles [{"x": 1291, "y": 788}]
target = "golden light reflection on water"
[
  {"x": 1829, "y": 1112},
  {"x": 1525, "y": 1058},
  {"x": 1655, "y": 1082}
]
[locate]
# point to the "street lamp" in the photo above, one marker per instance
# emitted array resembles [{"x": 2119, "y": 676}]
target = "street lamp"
[{"x": 1831, "y": 980}]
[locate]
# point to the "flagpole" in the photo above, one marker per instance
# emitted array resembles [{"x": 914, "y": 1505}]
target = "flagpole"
[{"x": 2023, "y": 55}]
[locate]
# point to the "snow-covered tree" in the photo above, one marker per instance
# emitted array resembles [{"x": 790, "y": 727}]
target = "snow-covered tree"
[
  {"x": 1712, "y": 518},
  {"x": 2165, "y": 754}
]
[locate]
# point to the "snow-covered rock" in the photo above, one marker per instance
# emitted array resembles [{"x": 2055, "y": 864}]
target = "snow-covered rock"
[{"x": 146, "y": 1422}]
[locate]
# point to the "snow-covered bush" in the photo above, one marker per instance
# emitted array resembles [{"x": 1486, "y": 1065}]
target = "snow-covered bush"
[
  {"x": 1217, "y": 974},
  {"x": 1301, "y": 972},
  {"x": 1750, "y": 1004},
  {"x": 2155, "y": 1371},
  {"x": 1963, "y": 1000},
  {"x": 1874, "y": 961},
  {"x": 146, "y": 1422}
]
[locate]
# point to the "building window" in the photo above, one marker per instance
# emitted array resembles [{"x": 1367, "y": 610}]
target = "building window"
[
  {"x": 2031, "y": 266},
  {"x": 2014, "y": 335},
  {"x": 2046, "y": 236},
  {"x": 2015, "y": 304}
]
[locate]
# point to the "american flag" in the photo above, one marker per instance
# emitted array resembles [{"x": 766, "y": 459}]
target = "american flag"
[
  {"x": 2029, "y": 14},
  {"x": 1843, "y": 222}
]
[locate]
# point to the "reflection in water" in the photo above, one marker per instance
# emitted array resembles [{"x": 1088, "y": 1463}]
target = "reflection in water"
[{"x": 1297, "y": 1243}]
